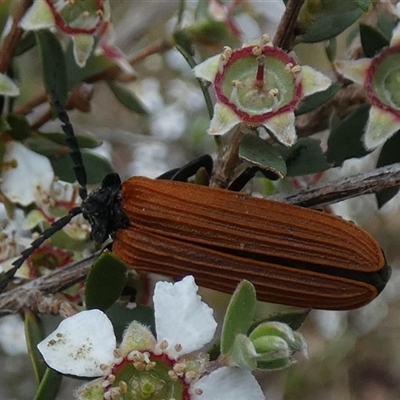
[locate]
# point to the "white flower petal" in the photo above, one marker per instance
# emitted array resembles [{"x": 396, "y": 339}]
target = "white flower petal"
[
  {"x": 223, "y": 121},
  {"x": 208, "y": 68},
  {"x": 39, "y": 16},
  {"x": 32, "y": 173},
  {"x": 395, "y": 36},
  {"x": 181, "y": 317},
  {"x": 380, "y": 127},
  {"x": 355, "y": 70},
  {"x": 282, "y": 127},
  {"x": 227, "y": 384},
  {"x": 80, "y": 345},
  {"x": 313, "y": 81},
  {"x": 8, "y": 87},
  {"x": 83, "y": 45}
]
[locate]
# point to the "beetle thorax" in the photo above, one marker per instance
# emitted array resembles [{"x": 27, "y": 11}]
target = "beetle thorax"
[{"x": 102, "y": 209}]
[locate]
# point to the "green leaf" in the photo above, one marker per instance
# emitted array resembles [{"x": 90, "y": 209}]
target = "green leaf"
[
  {"x": 97, "y": 167},
  {"x": 19, "y": 127},
  {"x": 275, "y": 364},
  {"x": 304, "y": 158},
  {"x": 121, "y": 316},
  {"x": 127, "y": 98},
  {"x": 239, "y": 315},
  {"x": 372, "y": 40},
  {"x": 386, "y": 23},
  {"x": 53, "y": 64},
  {"x": 183, "y": 39},
  {"x": 390, "y": 154},
  {"x": 105, "y": 281},
  {"x": 84, "y": 141},
  {"x": 327, "y": 26},
  {"x": 242, "y": 353},
  {"x": 317, "y": 99},
  {"x": 293, "y": 318},
  {"x": 258, "y": 152},
  {"x": 34, "y": 334},
  {"x": 49, "y": 385},
  {"x": 96, "y": 64},
  {"x": 64, "y": 241},
  {"x": 345, "y": 138},
  {"x": 26, "y": 43},
  {"x": 364, "y": 5},
  {"x": 331, "y": 49}
]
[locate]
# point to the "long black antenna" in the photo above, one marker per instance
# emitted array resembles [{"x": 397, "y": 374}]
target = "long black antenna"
[
  {"x": 73, "y": 145},
  {"x": 80, "y": 173},
  {"x": 55, "y": 227}
]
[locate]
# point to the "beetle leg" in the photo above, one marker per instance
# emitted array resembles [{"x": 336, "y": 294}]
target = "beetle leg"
[
  {"x": 247, "y": 175},
  {"x": 182, "y": 174}
]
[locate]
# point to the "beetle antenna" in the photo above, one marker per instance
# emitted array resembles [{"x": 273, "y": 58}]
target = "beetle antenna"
[
  {"x": 55, "y": 227},
  {"x": 73, "y": 145},
  {"x": 80, "y": 173}
]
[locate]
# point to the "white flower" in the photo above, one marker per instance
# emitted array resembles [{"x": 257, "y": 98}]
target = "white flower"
[
  {"x": 259, "y": 85},
  {"x": 84, "y": 345},
  {"x": 24, "y": 174}
]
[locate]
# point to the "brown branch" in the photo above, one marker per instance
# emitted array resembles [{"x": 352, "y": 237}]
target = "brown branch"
[
  {"x": 26, "y": 108},
  {"x": 227, "y": 163},
  {"x": 285, "y": 33},
  {"x": 114, "y": 71},
  {"x": 11, "y": 40},
  {"x": 332, "y": 192},
  {"x": 33, "y": 295}
]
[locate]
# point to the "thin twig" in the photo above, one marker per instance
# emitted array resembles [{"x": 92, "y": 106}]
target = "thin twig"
[
  {"x": 11, "y": 40},
  {"x": 30, "y": 295},
  {"x": 332, "y": 192},
  {"x": 225, "y": 168},
  {"x": 111, "y": 73},
  {"x": 285, "y": 33}
]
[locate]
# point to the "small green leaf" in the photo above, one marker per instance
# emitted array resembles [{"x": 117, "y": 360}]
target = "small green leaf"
[
  {"x": 105, "y": 281},
  {"x": 7, "y": 88},
  {"x": 19, "y": 127},
  {"x": 26, "y": 43},
  {"x": 64, "y": 241},
  {"x": 304, "y": 158},
  {"x": 53, "y": 64},
  {"x": 327, "y": 26},
  {"x": 275, "y": 364},
  {"x": 386, "y": 23},
  {"x": 243, "y": 353},
  {"x": 96, "y": 64},
  {"x": 44, "y": 147},
  {"x": 84, "y": 141},
  {"x": 331, "y": 49},
  {"x": 97, "y": 167},
  {"x": 345, "y": 138},
  {"x": 364, "y": 5},
  {"x": 258, "y": 152},
  {"x": 121, "y": 316},
  {"x": 127, "y": 98},
  {"x": 183, "y": 39},
  {"x": 372, "y": 40},
  {"x": 292, "y": 318},
  {"x": 34, "y": 334},
  {"x": 239, "y": 315},
  {"x": 389, "y": 155},
  {"x": 49, "y": 385},
  {"x": 317, "y": 99}
]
